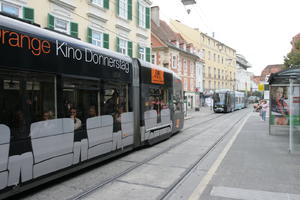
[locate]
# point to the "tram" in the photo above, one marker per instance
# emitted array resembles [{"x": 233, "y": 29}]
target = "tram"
[
  {"x": 225, "y": 100},
  {"x": 66, "y": 104}
]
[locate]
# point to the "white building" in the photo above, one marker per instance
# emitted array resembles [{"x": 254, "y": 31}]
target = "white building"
[{"x": 243, "y": 77}]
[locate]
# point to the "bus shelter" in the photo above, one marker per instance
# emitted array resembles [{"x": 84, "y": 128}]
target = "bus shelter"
[{"x": 285, "y": 106}]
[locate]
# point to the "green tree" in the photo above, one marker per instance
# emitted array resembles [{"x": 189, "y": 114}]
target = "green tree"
[{"x": 293, "y": 58}]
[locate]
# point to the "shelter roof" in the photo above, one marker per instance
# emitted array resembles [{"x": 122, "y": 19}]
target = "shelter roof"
[{"x": 283, "y": 77}]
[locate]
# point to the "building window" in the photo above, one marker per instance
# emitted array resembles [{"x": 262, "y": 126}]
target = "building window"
[
  {"x": 10, "y": 9},
  {"x": 61, "y": 25},
  {"x": 142, "y": 16},
  {"x": 123, "y": 9},
  {"x": 98, "y": 2},
  {"x": 185, "y": 84},
  {"x": 192, "y": 85},
  {"x": 192, "y": 68},
  {"x": 153, "y": 59},
  {"x": 142, "y": 52},
  {"x": 97, "y": 38},
  {"x": 123, "y": 46},
  {"x": 174, "y": 62},
  {"x": 185, "y": 65}
]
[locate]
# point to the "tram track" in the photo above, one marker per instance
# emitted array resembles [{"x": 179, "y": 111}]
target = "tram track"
[
  {"x": 197, "y": 162},
  {"x": 90, "y": 190}
]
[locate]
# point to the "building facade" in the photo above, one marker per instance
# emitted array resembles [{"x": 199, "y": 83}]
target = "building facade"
[
  {"x": 171, "y": 50},
  {"x": 220, "y": 60},
  {"x": 243, "y": 77},
  {"x": 118, "y": 25}
]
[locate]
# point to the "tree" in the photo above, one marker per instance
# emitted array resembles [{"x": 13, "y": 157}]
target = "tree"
[{"x": 293, "y": 58}]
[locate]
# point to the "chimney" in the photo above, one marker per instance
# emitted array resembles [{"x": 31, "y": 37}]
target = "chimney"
[{"x": 155, "y": 15}]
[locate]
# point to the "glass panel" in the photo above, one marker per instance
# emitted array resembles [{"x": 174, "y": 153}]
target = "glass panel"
[
  {"x": 123, "y": 46},
  {"x": 142, "y": 16},
  {"x": 142, "y": 53},
  {"x": 97, "y": 38},
  {"x": 13, "y": 10},
  {"x": 295, "y": 118},
  {"x": 98, "y": 2},
  {"x": 156, "y": 98},
  {"x": 123, "y": 8},
  {"x": 80, "y": 102},
  {"x": 25, "y": 98},
  {"x": 61, "y": 25},
  {"x": 115, "y": 102}
]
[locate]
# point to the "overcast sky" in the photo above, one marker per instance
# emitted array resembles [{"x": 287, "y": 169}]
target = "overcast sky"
[{"x": 261, "y": 30}]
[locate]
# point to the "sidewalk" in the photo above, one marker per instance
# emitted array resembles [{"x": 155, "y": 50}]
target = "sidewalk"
[{"x": 257, "y": 167}]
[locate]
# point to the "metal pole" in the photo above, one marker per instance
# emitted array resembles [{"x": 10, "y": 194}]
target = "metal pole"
[{"x": 291, "y": 115}]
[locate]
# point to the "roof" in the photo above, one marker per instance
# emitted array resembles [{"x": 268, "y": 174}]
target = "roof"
[
  {"x": 167, "y": 35},
  {"x": 283, "y": 76},
  {"x": 271, "y": 69}
]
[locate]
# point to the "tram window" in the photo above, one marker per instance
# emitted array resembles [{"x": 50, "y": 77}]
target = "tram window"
[
  {"x": 114, "y": 96},
  {"x": 25, "y": 98},
  {"x": 81, "y": 95},
  {"x": 156, "y": 98},
  {"x": 115, "y": 102}
]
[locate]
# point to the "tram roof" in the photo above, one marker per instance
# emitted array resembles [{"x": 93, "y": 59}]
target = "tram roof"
[
  {"x": 49, "y": 34},
  {"x": 283, "y": 76},
  {"x": 150, "y": 65}
]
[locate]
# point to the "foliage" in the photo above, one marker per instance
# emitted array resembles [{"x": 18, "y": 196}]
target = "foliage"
[{"x": 293, "y": 58}]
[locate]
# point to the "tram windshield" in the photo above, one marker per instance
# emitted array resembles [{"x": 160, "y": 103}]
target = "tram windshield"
[{"x": 219, "y": 98}]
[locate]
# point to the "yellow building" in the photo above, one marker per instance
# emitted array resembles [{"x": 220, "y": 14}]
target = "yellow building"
[
  {"x": 219, "y": 59},
  {"x": 118, "y": 25}
]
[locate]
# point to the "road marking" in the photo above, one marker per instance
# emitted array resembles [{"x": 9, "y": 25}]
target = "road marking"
[
  {"x": 206, "y": 179},
  {"x": 238, "y": 193}
]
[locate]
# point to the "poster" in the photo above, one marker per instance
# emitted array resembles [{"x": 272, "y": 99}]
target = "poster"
[{"x": 280, "y": 110}]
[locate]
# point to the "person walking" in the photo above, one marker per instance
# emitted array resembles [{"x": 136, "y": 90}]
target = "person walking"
[{"x": 264, "y": 107}]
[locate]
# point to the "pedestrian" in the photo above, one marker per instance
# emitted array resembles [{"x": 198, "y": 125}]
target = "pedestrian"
[{"x": 264, "y": 107}]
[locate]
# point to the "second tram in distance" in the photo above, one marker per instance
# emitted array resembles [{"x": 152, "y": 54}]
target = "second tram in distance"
[{"x": 227, "y": 101}]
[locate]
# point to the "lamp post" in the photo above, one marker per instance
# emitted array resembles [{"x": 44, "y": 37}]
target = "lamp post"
[{"x": 188, "y": 2}]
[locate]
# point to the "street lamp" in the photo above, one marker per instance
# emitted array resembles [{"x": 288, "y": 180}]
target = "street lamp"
[{"x": 188, "y": 2}]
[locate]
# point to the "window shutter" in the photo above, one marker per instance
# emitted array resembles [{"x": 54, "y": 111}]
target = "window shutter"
[
  {"x": 28, "y": 14},
  {"x": 138, "y": 14},
  {"x": 129, "y": 3},
  {"x": 106, "y": 4},
  {"x": 118, "y": 7},
  {"x": 105, "y": 40},
  {"x": 138, "y": 51},
  {"x": 147, "y": 17},
  {"x": 74, "y": 29},
  {"x": 89, "y": 35},
  {"x": 118, "y": 45},
  {"x": 129, "y": 48},
  {"x": 148, "y": 54},
  {"x": 50, "y": 21}
]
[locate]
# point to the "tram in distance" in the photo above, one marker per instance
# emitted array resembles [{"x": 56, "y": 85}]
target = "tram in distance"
[
  {"x": 66, "y": 104},
  {"x": 225, "y": 100}
]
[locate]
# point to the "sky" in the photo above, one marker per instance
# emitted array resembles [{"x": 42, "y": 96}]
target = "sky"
[{"x": 260, "y": 30}]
